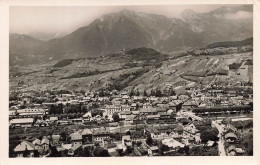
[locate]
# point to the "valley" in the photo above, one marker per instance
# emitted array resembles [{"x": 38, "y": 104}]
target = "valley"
[{"x": 122, "y": 71}]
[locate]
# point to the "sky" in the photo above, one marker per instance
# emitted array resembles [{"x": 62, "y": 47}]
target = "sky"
[{"x": 65, "y": 19}]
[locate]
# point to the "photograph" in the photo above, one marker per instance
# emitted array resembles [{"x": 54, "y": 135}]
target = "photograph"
[{"x": 130, "y": 80}]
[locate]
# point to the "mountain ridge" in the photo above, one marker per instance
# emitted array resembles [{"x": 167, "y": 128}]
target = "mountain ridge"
[{"x": 128, "y": 29}]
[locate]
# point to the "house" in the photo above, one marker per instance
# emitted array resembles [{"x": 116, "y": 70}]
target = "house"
[
  {"x": 125, "y": 97},
  {"x": 226, "y": 121},
  {"x": 153, "y": 131},
  {"x": 153, "y": 150},
  {"x": 153, "y": 117},
  {"x": 23, "y": 122},
  {"x": 147, "y": 105},
  {"x": 32, "y": 112},
  {"x": 55, "y": 140},
  {"x": 12, "y": 112},
  {"x": 76, "y": 138},
  {"x": 172, "y": 144},
  {"x": 63, "y": 122},
  {"x": 164, "y": 115},
  {"x": 159, "y": 109},
  {"x": 126, "y": 108},
  {"x": 100, "y": 134},
  {"x": 148, "y": 111},
  {"x": 188, "y": 106},
  {"x": 37, "y": 145},
  {"x": 230, "y": 137},
  {"x": 114, "y": 124},
  {"x": 24, "y": 146},
  {"x": 231, "y": 150},
  {"x": 124, "y": 114},
  {"x": 191, "y": 129},
  {"x": 53, "y": 119},
  {"x": 73, "y": 148},
  {"x": 176, "y": 105},
  {"x": 130, "y": 119},
  {"x": 87, "y": 116},
  {"x": 133, "y": 106},
  {"x": 77, "y": 121},
  {"x": 110, "y": 109},
  {"x": 111, "y": 148},
  {"x": 86, "y": 135},
  {"x": 45, "y": 143},
  {"x": 126, "y": 141}
]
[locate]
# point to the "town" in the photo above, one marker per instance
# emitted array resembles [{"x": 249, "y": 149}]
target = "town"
[
  {"x": 204, "y": 120},
  {"x": 131, "y": 81}
]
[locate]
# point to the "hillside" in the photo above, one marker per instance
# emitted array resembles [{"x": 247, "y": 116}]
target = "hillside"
[
  {"x": 128, "y": 29},
  {"x": 221, "y": 48},
  {"x": 248, "y": 41},
  {"x": 126, "y": 70}
]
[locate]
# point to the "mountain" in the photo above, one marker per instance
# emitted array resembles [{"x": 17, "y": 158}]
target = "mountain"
[
  {"x": 24, "y": 49},
  {"x": 248, "y": 41},
  {"x": 128, "y": 29},
  {"x": 45, "y": 36}
]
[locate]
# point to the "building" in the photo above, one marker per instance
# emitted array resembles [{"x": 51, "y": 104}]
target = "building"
[
  {"x": 32, "y": 111},
  {"x": 23, "y": 122},
  {"x": 45, "y": 143},
  {"x": 172, "y": 144},
  {"x": 126, "y": 108},
  {"x": 86, "y": 135},
  {"x": 25, "y": 149},
  {"x": 110, "y": 109},
  {"x": 76, "y": 139},
  {"x": 188, "y": 106},
  {"x": 99, "y": 134}
]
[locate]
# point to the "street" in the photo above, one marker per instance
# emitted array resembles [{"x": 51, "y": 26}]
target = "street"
[{"x": 221, "y": 147}]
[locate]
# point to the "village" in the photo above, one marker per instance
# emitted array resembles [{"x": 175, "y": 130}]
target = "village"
[{"x": 204, "y": 120}]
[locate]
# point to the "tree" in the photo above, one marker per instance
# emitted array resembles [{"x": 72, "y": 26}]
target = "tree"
[
  {"x": 87, "y": 152},
  {"x": 132, "y": 93},
  {"x": 54, "y": 152},
  {"x": 145, "y": 93},
  {"x": 137, "y": 93},
  {"x": 100, "y": 152},
  {"x": 120, "y": 152},
  {"x": 158, "y": 93},
  {"x": 172, "y": 92},
  {"x": 209, "y": 134},
  {"x": 163, "y": 148},
  {"x": 152, "y": 93},
  {"x": 149, "y": 140},
  {"x": 115, "y": 117},
  {"x": 63, "y": 135},
  {"x": 35, "y": 118},
  {"x": 26, "y": 152},
  {"x": 101, "y": 93},
  {"x": 186, "y": 149},
  {"x": 128, "y": 133}
]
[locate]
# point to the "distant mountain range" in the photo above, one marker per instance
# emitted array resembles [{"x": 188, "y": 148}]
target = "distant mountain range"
[
  {"x": 128, "y": 29},
  {"x": 45, "y": 36}
]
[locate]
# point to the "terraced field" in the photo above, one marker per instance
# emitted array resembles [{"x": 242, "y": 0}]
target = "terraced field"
[{"x": 118, "y": 72}]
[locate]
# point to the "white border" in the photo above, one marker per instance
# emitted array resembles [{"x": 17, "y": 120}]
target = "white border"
[{"x": 4, "y": 90}]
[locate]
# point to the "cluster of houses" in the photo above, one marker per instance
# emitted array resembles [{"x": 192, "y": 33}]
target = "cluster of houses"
[
  {"x": 231, "y": 138},
  {"x": 175, "y": 136},
  {"x": 130, "y": 110}
]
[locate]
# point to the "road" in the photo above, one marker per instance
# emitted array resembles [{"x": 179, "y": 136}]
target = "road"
[{"x": 221, "y": 148}]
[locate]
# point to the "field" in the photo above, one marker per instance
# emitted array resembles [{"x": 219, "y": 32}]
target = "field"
[{"x": 125, "y": 72}]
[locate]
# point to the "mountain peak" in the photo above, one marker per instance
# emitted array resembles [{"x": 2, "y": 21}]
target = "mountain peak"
[
  {"x": 125, "y": 11},
  {"x": 189, "y": 14}
]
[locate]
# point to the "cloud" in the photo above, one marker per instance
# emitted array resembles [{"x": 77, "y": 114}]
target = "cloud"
[{"x": 239, "y": 15}]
